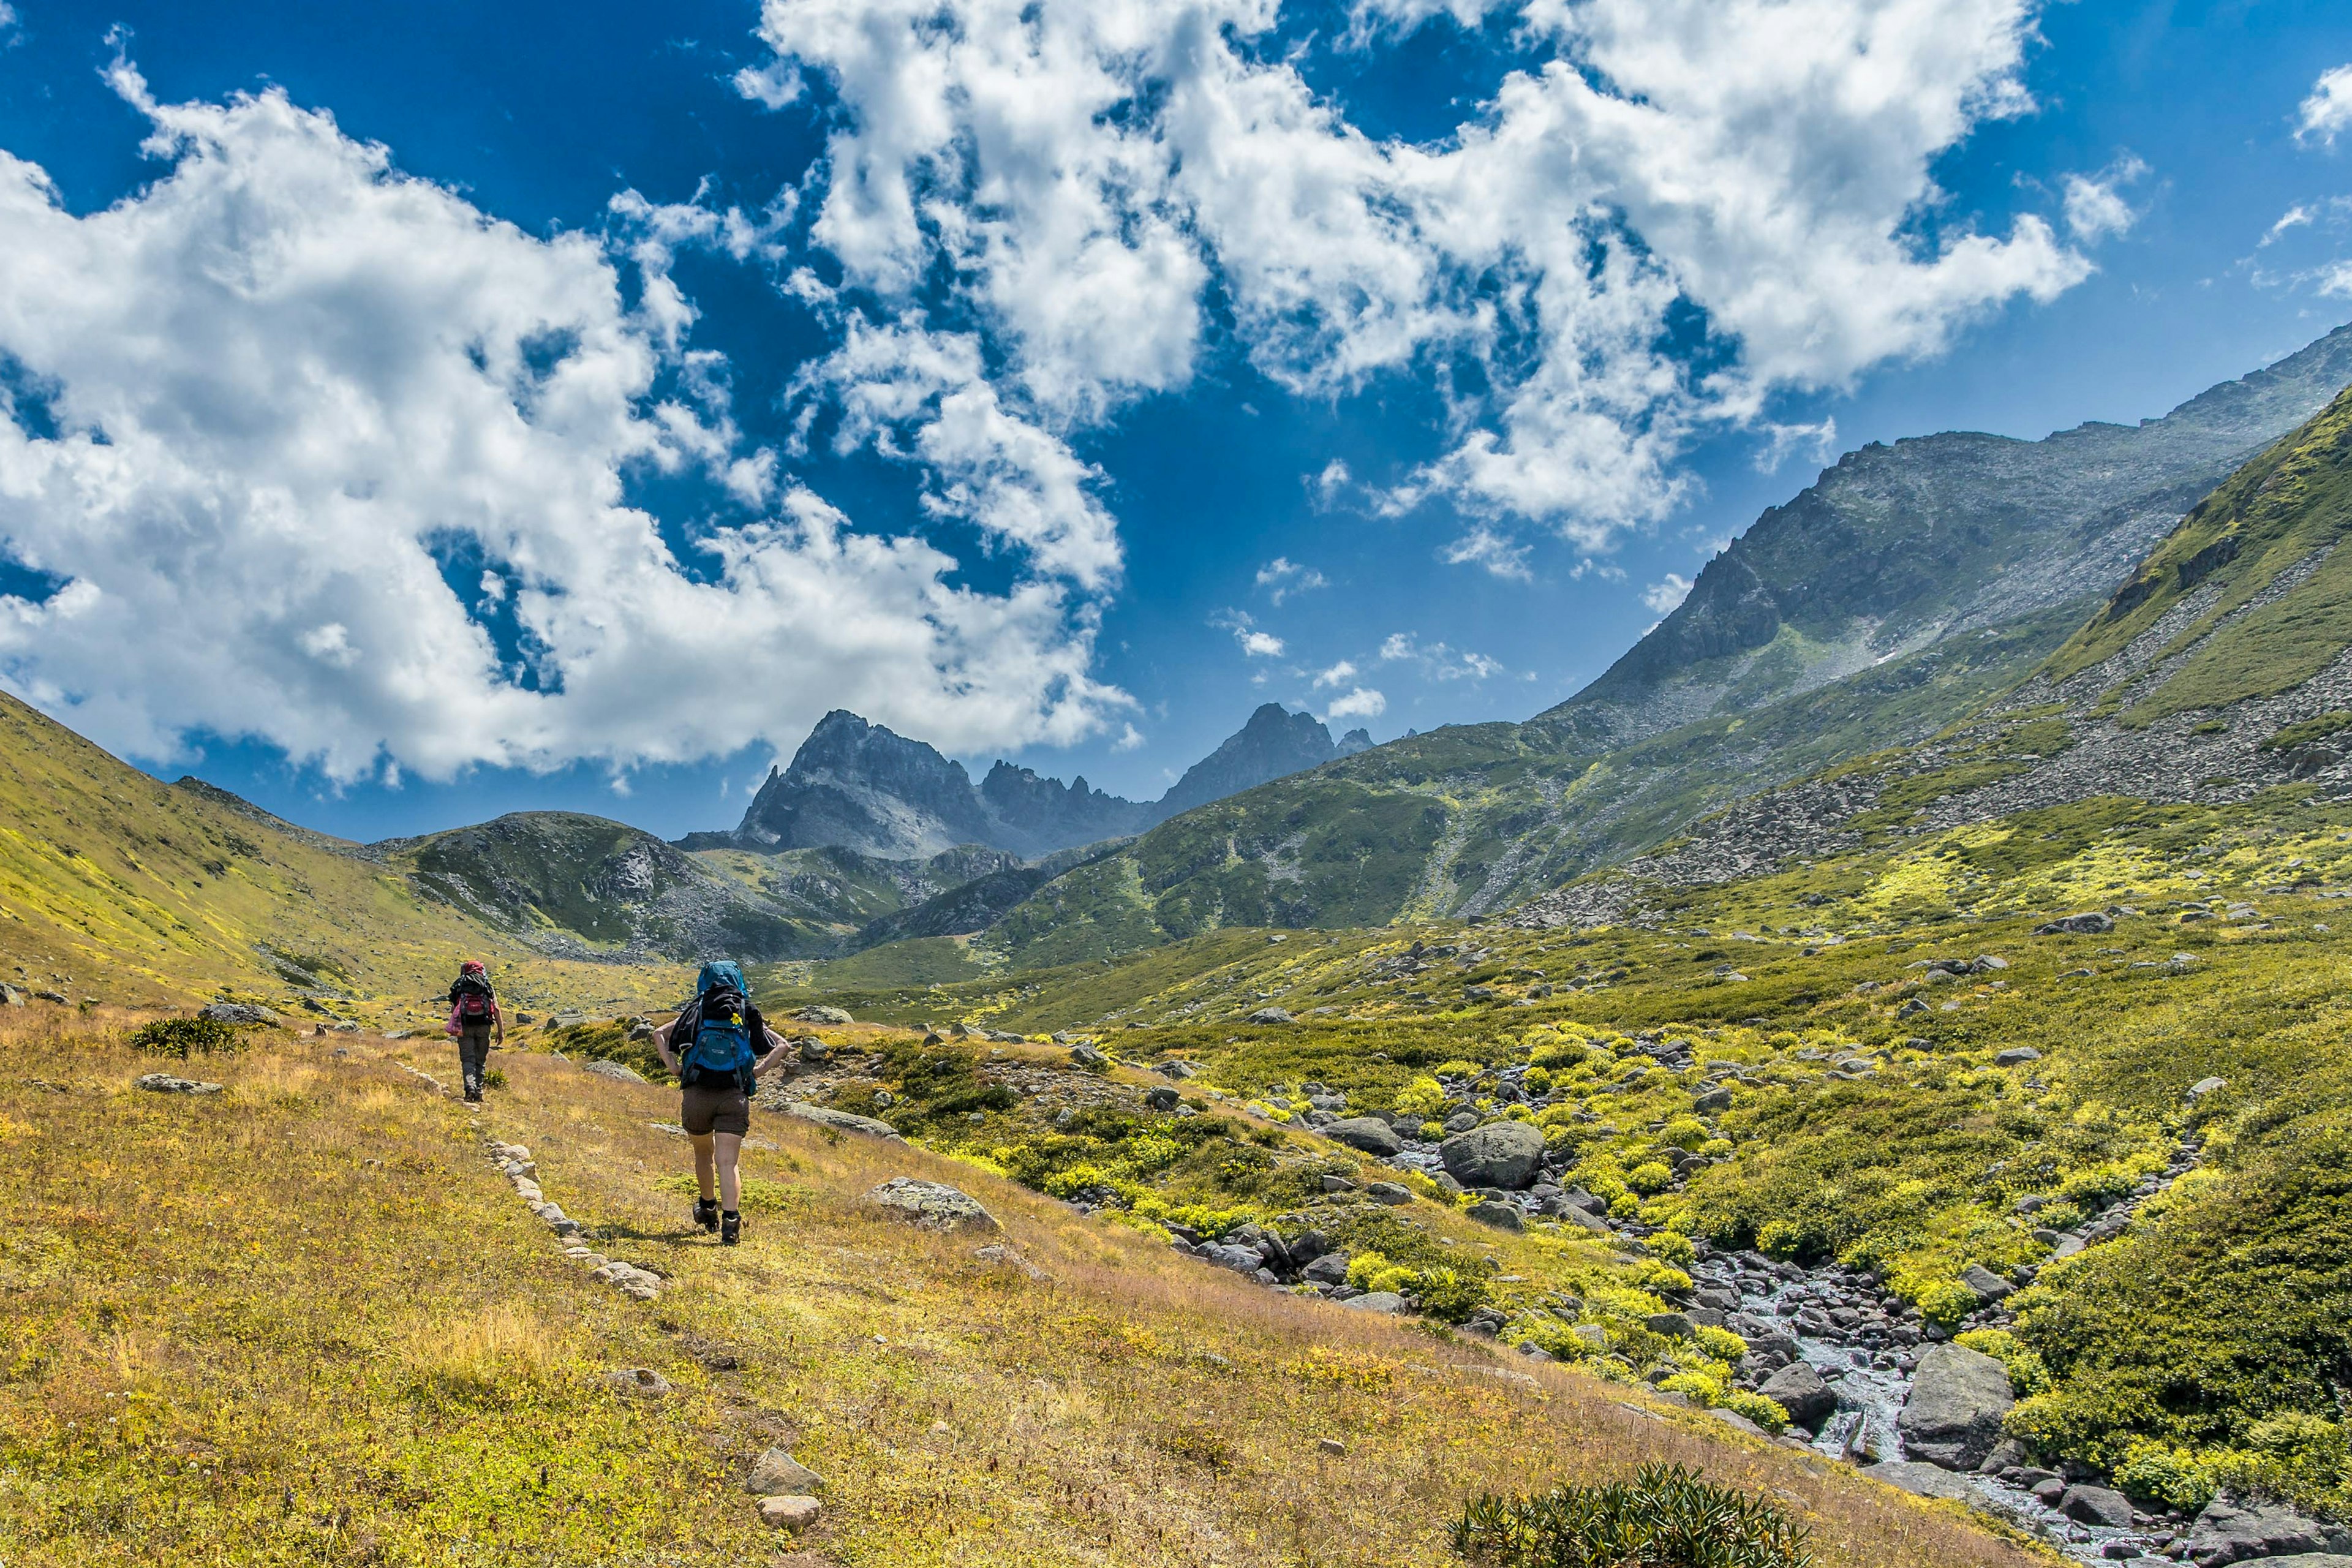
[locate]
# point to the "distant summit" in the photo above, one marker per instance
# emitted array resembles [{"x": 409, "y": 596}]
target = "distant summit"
[
  {"x": 856, "y": 785},
  {"x": 1274, "y": 745}
]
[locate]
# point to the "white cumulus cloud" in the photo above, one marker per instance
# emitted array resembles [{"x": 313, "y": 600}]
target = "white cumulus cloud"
[
  {"x": 1363, "y": 702},
  {"x": 2327, "y": 112},
  {"x": 1086, "y": 172},
  {"x": 1282, "y": 577},
  {"x": 1338, "y": 674},
  {"x": 278, "y": 419},
  {"x": 2095, "y": 208}
]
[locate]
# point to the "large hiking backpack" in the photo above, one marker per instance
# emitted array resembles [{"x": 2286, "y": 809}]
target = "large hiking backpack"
[
  {"x": 477, "y": 1004},
  {"x": 720, "y": 1053}
]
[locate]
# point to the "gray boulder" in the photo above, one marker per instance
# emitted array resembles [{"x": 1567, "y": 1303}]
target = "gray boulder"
[
  {"x": 1921, "y": 1480},
  {"x": 1367, "y": 1133},
  {"x": 234, "y": 1013},
  {"x": 165, "y": 1083},
  {"x": 821, "y": 1015},
  {"x": 1500, "y": 1155},
  {"x": 1331, "y": 1268},
  {"x": 1244, "y": 1261},
  {"x": 777, "y": 1474},
  {"x": 1390, "y": 1192},
  {"x": 1986, "y": 1283},
  {"x": 1387, "y": 1302},
  {"x": 1501, "y": 1216},
  {"x": 1270, "y": 1015},
  {"x": 2205, "y": 1086},
  {"x": 842, "y": 1120},
  {"x": 2091, "y": 923},
  {"x": 2309, "y": 1560},
  {"x": 2016, "y": 1057},
  {"x": 1953, "y": 1417},
  {"x": 2086, "y": 1504},
  {"x": 1673, "y": 1325},
  {"x": 1797, "y": 1389},
  {"x": 934, "y": 1205},
  {"x": 2231, "y": 1530},
  {"x": 613, "y": 1070},
  {"x": 1163, "y": 1097},
  {"x": 1086, "y": 1055}
]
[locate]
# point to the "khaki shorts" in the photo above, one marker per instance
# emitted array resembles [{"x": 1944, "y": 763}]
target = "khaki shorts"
[{"x": 703, "y": 1109}]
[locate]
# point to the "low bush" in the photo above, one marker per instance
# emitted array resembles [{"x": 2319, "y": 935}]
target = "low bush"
[
  {"x": 185, "y": 1037},
  {"x": 1666, "y": 1517}
]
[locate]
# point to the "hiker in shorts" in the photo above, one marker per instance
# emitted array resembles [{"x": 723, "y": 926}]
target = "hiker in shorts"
[
  {"x": 474, "y": 1019},
  {"x": 718, "y": 1045}
]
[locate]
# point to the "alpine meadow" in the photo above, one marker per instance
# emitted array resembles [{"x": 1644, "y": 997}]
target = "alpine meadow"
[{"x": 1684, "y": 941}]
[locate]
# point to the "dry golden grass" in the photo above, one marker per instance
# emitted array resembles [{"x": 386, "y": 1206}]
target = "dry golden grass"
[{"x": 304, "y": 1322}]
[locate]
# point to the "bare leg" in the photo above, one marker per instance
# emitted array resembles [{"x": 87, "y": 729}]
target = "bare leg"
[
  {"x": 705, "y": 1161},
  {"x": 730, "y": 1185}
]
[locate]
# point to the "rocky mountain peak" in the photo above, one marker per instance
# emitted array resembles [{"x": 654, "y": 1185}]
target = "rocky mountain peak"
[{"x": 1274, "y": 743}]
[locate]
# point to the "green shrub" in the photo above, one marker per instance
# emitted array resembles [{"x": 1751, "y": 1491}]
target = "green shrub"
[
  {"x": 1422, "y": 1096},
  {"x": 1945, "y": 1302},
  {"x": 1666, "y": 1517},
  {"x": 185, "y": 1038},
  {"x": 1764, "y": 1413},
  {"x": 1684, "y": 1132},
  {"x": 496, "y": 1077},
  {"x": 2058, "y": 1216},
  {"x": 2157, "y": 1472},
  {"x": 1674, "y": 1247},
  {"x": 1648, "y": 1178},
  {"x": 1721, "y": 1343},
  {"x": 2097, "y": 1187}
]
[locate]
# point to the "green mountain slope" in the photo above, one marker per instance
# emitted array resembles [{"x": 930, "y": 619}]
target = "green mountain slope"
[
  {"x": 1905, "y": 590},
  {"x": 116, "y": 887}
]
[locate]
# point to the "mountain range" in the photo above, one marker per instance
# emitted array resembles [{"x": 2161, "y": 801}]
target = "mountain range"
[
  {"x": 857, "y": 786},
  {"x": 1912, "y": 590}
]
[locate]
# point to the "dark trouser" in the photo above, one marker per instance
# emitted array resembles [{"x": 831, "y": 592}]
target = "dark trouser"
[{"x": 473, "y": 1052}]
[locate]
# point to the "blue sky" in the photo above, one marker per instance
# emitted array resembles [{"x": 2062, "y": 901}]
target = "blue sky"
[{"x": 477, "y": 409}]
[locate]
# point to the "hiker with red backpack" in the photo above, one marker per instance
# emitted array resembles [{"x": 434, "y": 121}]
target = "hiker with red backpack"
[
  {"x": 474, "y": 1019},
  {"x": 718, "y": 1045}
]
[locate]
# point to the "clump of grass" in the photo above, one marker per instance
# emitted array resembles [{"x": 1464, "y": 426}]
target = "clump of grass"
[
  {"x": 185, "y": 1037},
  {"x": 495, "y": 1354},
  {"x": 1666, "y": 1517}
]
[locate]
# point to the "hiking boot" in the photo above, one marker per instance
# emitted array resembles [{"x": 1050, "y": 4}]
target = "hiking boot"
[
  {"x": 706, "y": 1213},
  {"x": 473, "y": 1097},
  {"x": 730, "y": 1230}
]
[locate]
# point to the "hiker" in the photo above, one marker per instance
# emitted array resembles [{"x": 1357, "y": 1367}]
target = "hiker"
[
  {"x": 474, "y": 1019},
  {"x": 722, "y": 1044}
]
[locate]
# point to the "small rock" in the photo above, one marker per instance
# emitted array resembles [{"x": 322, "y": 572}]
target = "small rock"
[
  {"x": 1673, "y": 1325},
  {"x": 1389, "y": 1192},
  {"x": 777, "y": 1474},
  {"x": 165, "y": 1083},
  {"x": 617, "y": 1071},
  {"x": 1161, "y": 1098},
  {"x": 1921, "y": 1480},
  {"x": 230, "y": 1012},
  {"x": 1986, "y": 1283},
  {"x": 820, "y": 1015},
  {"x": 2232, "y": 1531},
  {"x": 1369, "y": 1134},
  {"x": 641, "y": 1381},
  {"x": 2089, "y": 924},
  {"x": 1501, "y": 1216},
  {"x": 1502, "y": 1155},
  {"x": 1338, "y": 1185},
  {"x": 934, "y": 1205},
  {"x": 1270, "y": 1015},
  {"x": 842, "y": 1120},
  {"x": 1331, "y": 1445},
  {"x": 1797, "y": 1389},
  {"x": 1385, "y": 1301},
  {"x": 2096, "y": 1505},
  {"x": 2016, "y": 1057},
  {"x": 788, "y": 1512},
  {"x": 2205, "y": 1086},
  {"x": 1085, "y": 1057}
]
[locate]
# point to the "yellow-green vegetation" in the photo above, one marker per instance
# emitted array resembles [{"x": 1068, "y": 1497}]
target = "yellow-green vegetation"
[
  {"x": 303, "y": 1320},
  {"x": 125, "y": 890},
  {"x": 2286, "y": 511},
  {"x": 1841, "y": 1011}
]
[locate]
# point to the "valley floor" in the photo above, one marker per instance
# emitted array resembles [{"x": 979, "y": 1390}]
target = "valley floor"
[{"x": 303, "y": 1320}]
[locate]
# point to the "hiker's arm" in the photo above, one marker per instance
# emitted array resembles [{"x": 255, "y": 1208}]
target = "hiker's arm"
[
  {"x": 661, "y": 1045},
  {"x": 775, "y": 1045}
]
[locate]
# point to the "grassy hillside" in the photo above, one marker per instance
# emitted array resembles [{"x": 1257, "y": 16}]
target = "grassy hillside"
[
  {"x": 116, "y": 887},
  {"x": 305, "y": 1320},
  {"x": 1869, "y": 1122}
]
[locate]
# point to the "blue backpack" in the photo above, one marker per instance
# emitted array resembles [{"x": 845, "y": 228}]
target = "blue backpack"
[{"x": 721, "y": 1051}]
